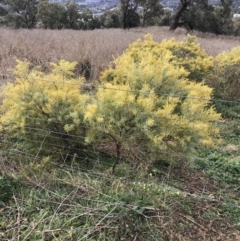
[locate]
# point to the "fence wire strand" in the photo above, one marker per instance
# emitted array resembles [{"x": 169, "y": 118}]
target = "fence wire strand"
[
  {"x": 65, "y": 82},
  {"x": 58, "y": 135}
]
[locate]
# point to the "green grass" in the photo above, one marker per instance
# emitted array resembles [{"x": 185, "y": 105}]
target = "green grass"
[
  {"x": 67, "y": 204},
  {"x": 223, "y": 164},
  {"x": 49, "y": 201}
]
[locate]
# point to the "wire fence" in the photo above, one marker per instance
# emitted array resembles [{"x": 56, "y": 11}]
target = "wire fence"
[
  {"x": 71, "y": 146},
  {"x": 82, "y": 85}
]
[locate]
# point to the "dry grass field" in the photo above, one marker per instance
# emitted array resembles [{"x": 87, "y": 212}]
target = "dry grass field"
[{"x": 93, "y": 50}]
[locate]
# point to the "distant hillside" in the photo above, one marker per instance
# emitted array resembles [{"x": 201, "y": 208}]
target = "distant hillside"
[
  {"x": 86, "y": 1},
  {"x": 169, "y": 3}
]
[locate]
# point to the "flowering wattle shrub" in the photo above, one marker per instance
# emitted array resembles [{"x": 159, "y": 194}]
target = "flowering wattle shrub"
[
  {"x": 147, "y": 107},
  {"x": 226, "y": 75},
  {"x": 41, "y": 112},
  {"x": 151, "y": 104}
]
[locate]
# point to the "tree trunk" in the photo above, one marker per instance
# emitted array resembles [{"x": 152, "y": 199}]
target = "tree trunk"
[
  {"x": 124, "y": 21},
  {"x": 128, "y": 11},
  {"x": 182, "y": 8},
  {"x": 144, "y": 20}
]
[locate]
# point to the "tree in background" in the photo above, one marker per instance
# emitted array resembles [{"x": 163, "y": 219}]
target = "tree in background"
[
  {"x": 236, "y": 26},
  {"x": 21, "y": 13},
  {"x": 149, "y": 10},
  {"x": 130, "y": 17},
  {"x": 48, "y": 15},
  {"x": 3, "y": 10},
  {"x": 224, "y": 17},
  {"x": 72, "y": 14},
  {"x": 192, "y": 14},
  {"x": 51, "y": 15},
  {"x": 111, "y": 19},
  {"x": 165, "y": 19},
  {"x": 88, "y": 21},
  {"x": 199, "y": 15},
  {"x": 183, "y": 6}
]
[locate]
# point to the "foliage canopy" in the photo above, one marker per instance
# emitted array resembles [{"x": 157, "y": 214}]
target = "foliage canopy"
[
  {"x": 225, "y": 80},
  {"x": 147, "y": 106},
  {"x": 188, "y": 54},
  {"x": 226, "y": 77},
  {"x": 42, "y": 111}
]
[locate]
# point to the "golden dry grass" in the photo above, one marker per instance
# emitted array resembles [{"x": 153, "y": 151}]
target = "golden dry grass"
[{"x": 97, "y": 47}]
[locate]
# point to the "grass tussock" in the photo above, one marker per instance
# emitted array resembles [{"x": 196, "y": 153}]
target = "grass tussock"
[{"x": 64, "y": 203}]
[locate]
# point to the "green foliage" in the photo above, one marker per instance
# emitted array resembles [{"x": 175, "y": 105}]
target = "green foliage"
[
  {"x": 129, "y": 16},
  {"x": 87, "y": 21},
  {"x": 223, "y": 17},
  {"x": 44, "y": 112},
  {"x": 150, "y": 209},
  {"x": 150, "y": 10},
  {"x": 223, "y": 165},
  {"x": 226, "y": 76},
  {"x": 52, "y": 15},
  {"x": 236, "y": 26},
  {"x": 205, "y": 17},
  {"x": 222, "y": 168},
  {"x": 6, "y": 188},
  {"x": 111, "y": 19},
  {"x": 165, "y": 19},
  {"x": 3, "y": 12},
  {"x": 21, "y": 13},
  {"x": 225, "y": 80},
  {"x": 72, "y": 14},
  {"x": 189, "y": 55},
  {"x": 46, "y": 14},
  {"x": 208, "y": 18},
  {"x": 133, "y": 19},
  {"x": 147, "y": 109}
]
